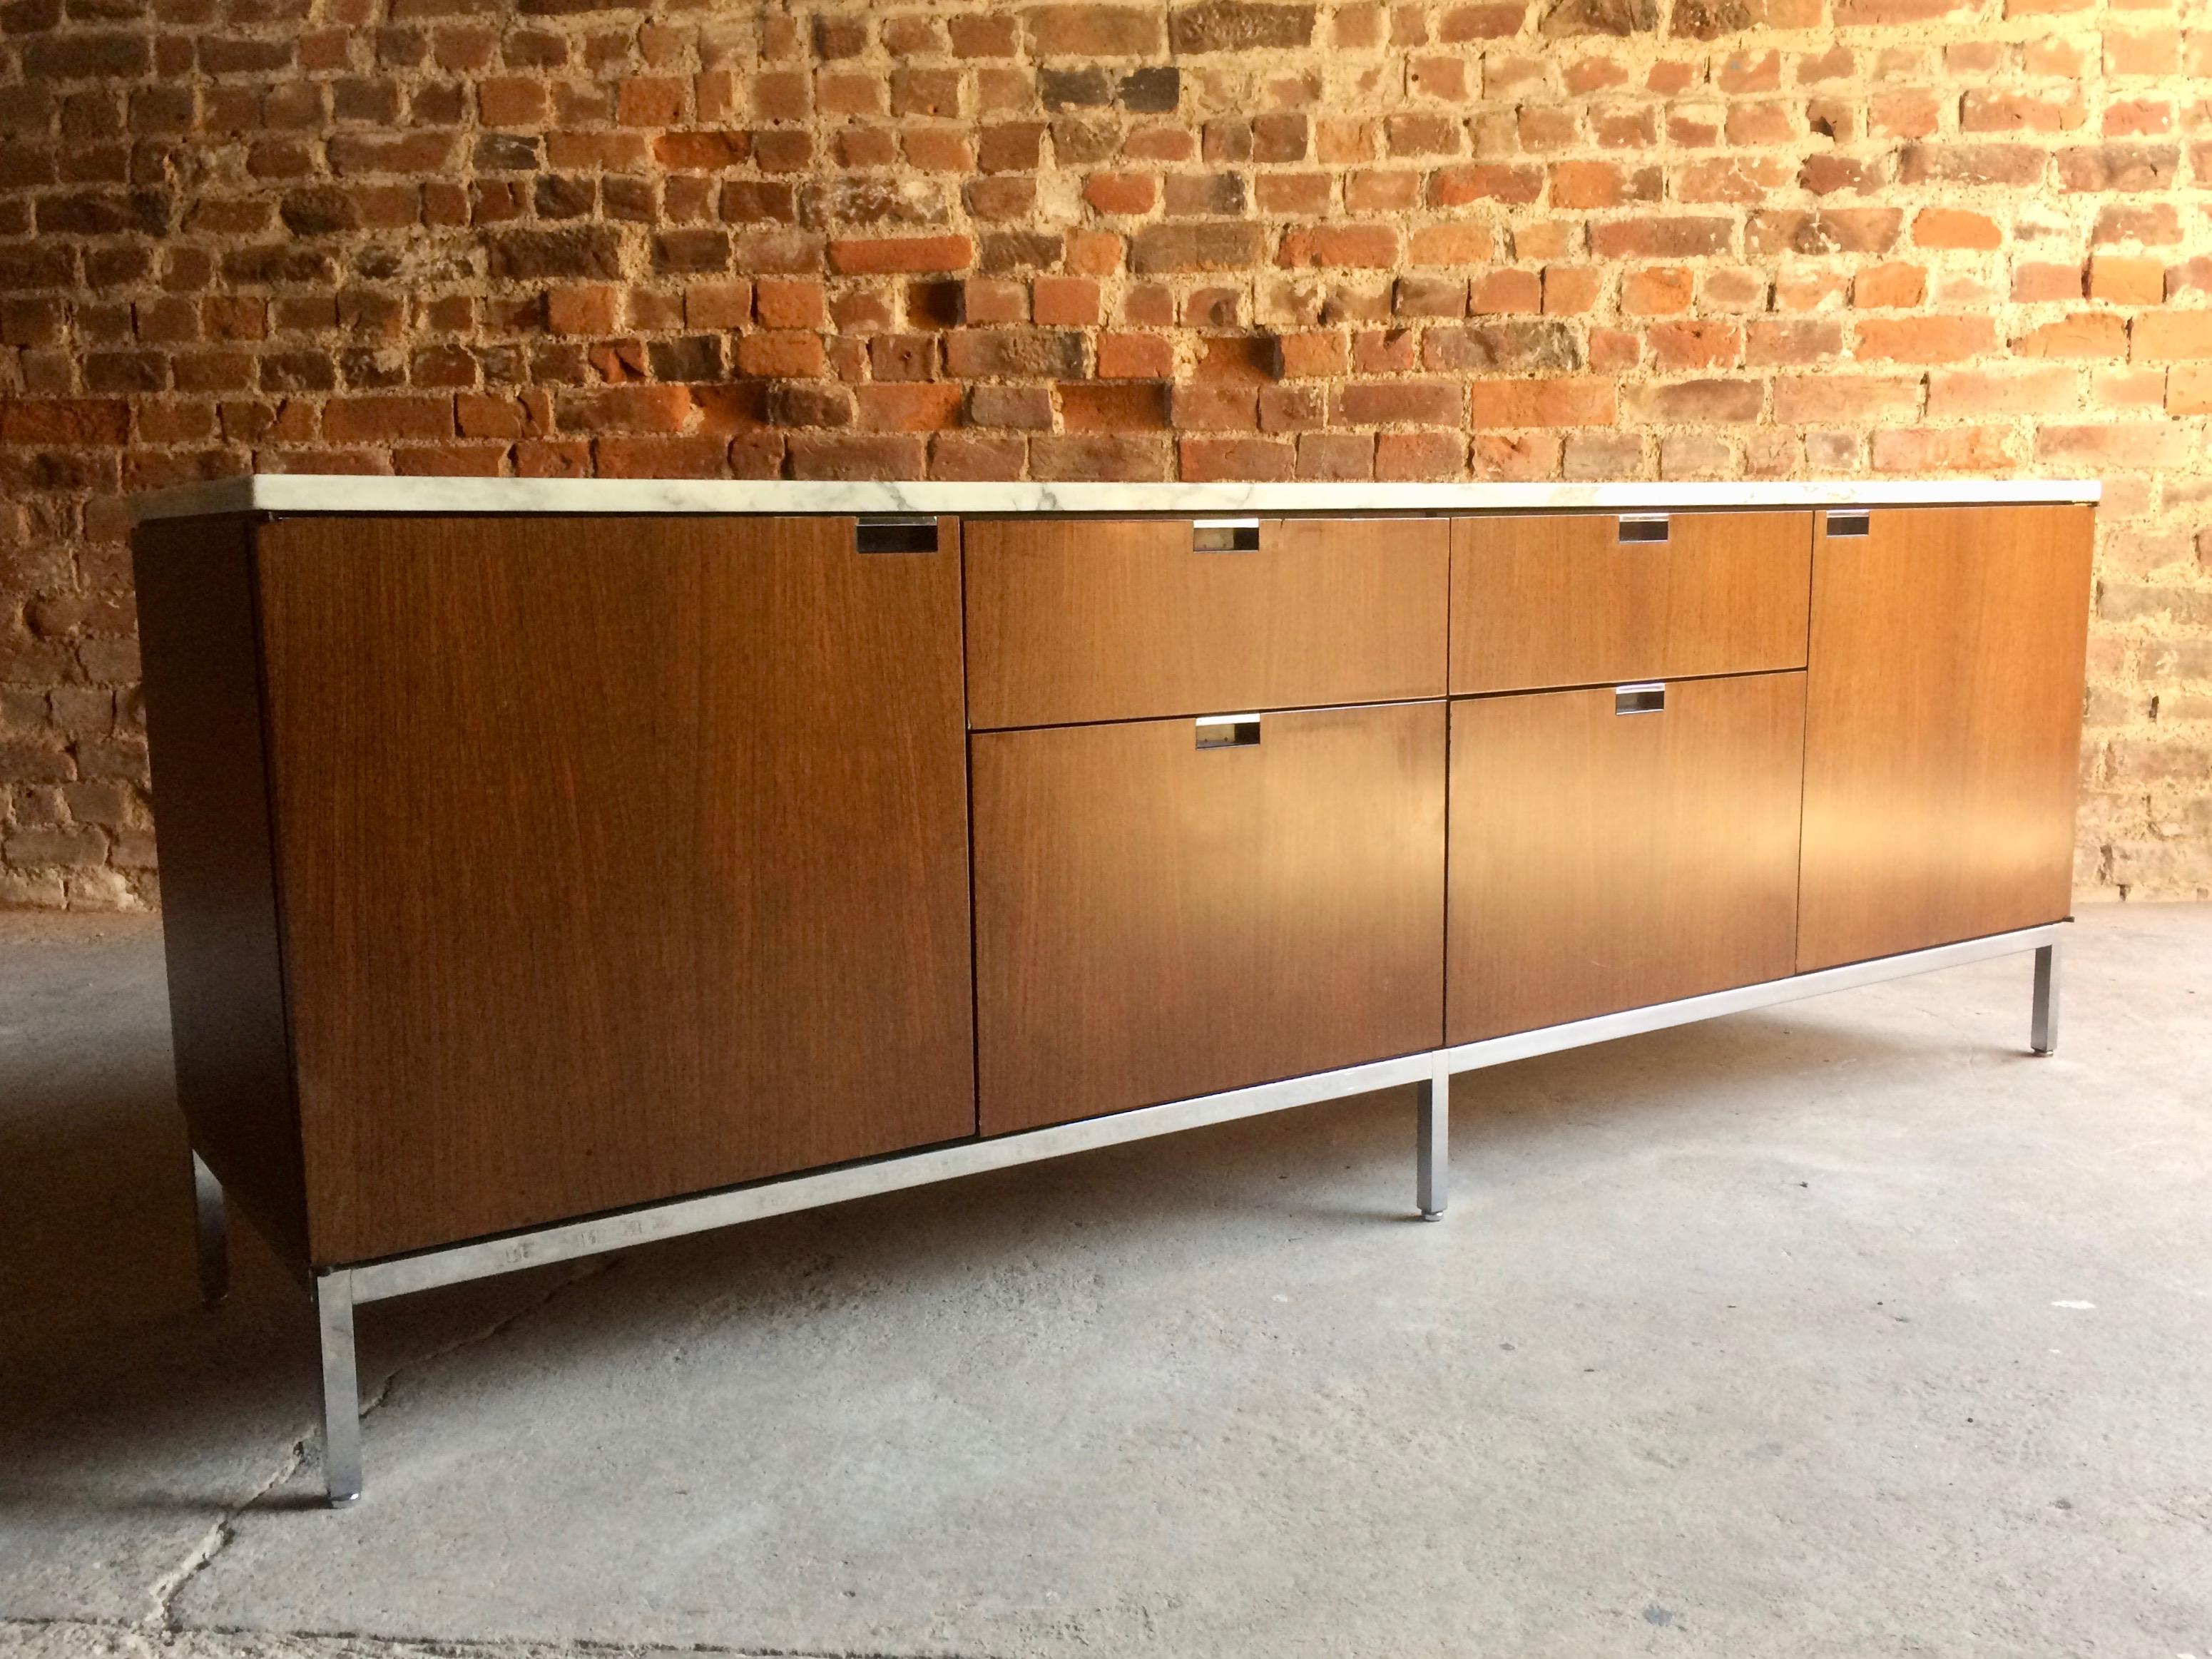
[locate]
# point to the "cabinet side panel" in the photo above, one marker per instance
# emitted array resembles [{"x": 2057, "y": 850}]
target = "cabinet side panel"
[
  {"x": 625, "y": 859},
  {"x": 219, "y": 904},
  {"x": 1943, "y": 727}
]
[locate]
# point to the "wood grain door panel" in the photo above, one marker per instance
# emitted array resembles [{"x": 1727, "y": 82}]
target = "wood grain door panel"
[
  {"x": 1155, "y": 921},
  {"x": 1943, "y": 726},
  {"x": 1562, "y": 599},
  {"x": 1077, "y": 620},
  {"x": 1603, "y": 860},
  {"x": 621, "y": 859}
]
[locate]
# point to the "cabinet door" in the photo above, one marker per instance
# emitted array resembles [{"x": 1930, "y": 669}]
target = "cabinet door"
[
  {"x": 1943, "y": 725},
  {"x": 1604, "y": 859},
  {"x": 1590, "y": 599},
  {"x": 1165, "y": 908},
  {"x": 1089, "y": 619},
  {"x": 621, "y": 858}
]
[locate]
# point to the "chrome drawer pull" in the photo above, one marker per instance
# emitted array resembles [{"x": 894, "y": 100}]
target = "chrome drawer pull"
[
  {"x": 1849, "y": 524},
  {"x": 891, "y": 533},
  {"x": 1643, "y": 527},
  {"x": 1224, "y": 535},
  {"x": 1650, "y": 699},
  {"x": 1228, "y": 731}
]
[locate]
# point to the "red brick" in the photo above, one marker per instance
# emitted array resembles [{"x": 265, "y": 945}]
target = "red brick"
[
  {"x": 1321, "y": 353},
  {"x": 1368, "y": 245},
  {"x": 1924, "y": 339},
  {"x": 1135, "y": 356},
  {"x": 880, "y": 256},
  {"x": 1507, "y": 292},
  {"x": 64, "y": 424},
  {"x": 1419, "y": 455},
  {"x": 1105, "y": 457},
  {"x": 1656, "y": 290},
  {"x": 386, "y": 419},
  {"x": 1974, "y": 392},
  {"x": 2039, "y": 280},
  {"x": 1889, "y": 285},
  {"x": 1397, "y": 403},
  {"x": 908, "y": 406},
  {"x": 2126, "y": 281},
  {"x": 1942, "y": 449},
  {"x": 1541, "y": 403},
  {"x": 2087, "y": 334},
  {"x": 1207, "y": 458},
  {"x": 1955, "y": 228},
  {"x": 2171, "y": 336}
]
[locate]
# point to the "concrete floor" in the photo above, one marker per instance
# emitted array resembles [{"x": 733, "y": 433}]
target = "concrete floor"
[{"x": 1844, "y": 1329}]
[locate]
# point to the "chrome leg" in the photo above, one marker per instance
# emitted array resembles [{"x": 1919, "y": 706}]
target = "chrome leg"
[
  {"x": 212, "y": 1232},
  {"x": 341, "y": 1386},
  {"x": 2042, "y": 1027},
  {"x": 1434, "y": 1168}
]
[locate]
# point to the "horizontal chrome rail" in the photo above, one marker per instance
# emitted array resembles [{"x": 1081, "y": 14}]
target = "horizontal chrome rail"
[
  {"x": 565, "y": 1242},
  {"x": 1603, "y": 1028}
]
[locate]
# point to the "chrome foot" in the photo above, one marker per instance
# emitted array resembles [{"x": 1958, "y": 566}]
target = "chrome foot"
[
  {"x": 1433, "y": 1157},
  {"x": 341, "y": 1387},
  {"x": 212, "y": 1233},
  {"x": 2043, "y": 1025}
]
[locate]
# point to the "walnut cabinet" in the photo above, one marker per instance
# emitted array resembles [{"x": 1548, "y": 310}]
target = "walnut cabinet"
[{"x": 533, "y": 864}]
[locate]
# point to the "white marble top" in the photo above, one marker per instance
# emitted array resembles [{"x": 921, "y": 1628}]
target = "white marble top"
[{"x": 301, "y": 492}]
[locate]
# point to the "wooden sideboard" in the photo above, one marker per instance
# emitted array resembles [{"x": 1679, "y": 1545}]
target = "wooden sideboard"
[{"x": 548, "y": 868}]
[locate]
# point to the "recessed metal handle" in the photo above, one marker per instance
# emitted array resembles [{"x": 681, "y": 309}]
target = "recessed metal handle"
[
  {"x": 1224, "y": 535},
  {"x": 1849, "y": 524},
  {"x": 1228, "y": 731},
  {"x": 893, "y": 533},
  {"x": 1643, "y": 527},
  {"x": 1647, "y": 699}
]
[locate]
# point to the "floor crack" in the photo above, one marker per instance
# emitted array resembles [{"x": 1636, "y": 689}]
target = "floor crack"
[
  {"x": 591, "y": 1268},
  {"x": 213, "y": 1542},
  {"x": 259, "y": 1644}
]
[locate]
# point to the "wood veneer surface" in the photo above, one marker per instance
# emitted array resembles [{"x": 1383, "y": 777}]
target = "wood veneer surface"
[
  {"x": 1602, "y": 861},
  {"x": 1155, "y": 921},
  {"x": 1559, "y": 599},
  {"x": 1943, "y": 727},
  {"x": 1080, "y": 620},
  {"x": 621, "y": 859},
  {"x": 219, "y": 903}
]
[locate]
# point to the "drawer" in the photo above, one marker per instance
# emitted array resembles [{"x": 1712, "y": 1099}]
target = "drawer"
[
  {"x": 1166, "y": 909},
  {"x": 1077, "y": 619},
  {"x": 1616, "y": 848},
  {"x": 1592, "y": 599}
]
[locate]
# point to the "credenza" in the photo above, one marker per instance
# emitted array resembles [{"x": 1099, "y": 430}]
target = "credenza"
[{"x": 552, "y": 866}]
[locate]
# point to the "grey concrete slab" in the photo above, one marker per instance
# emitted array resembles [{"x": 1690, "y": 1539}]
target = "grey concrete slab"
[
  {"x": 132, "y": 1420},
  {"x": 1837, "y": 1328}
]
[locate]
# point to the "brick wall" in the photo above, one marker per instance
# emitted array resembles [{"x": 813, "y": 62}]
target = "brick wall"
[{"x": 1565, "y": 238}]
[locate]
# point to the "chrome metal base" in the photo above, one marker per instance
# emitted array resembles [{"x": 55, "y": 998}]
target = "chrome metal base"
[
  {"x": 341, "y": 1386},
  {"x": 212, "y": 1233},
  {"x": 1432, "y": 1155},
  {"x": 2043, "y": 1022},
  {"x": 337, "y": 1290}
]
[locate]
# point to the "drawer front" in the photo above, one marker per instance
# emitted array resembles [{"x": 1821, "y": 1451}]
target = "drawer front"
[
  {"x": 1603, "y": 858},
  {"x": 1165, "y": 908},
  {"x": 1591, "y": 598},
  {"x": 1072, "y": 619}
]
